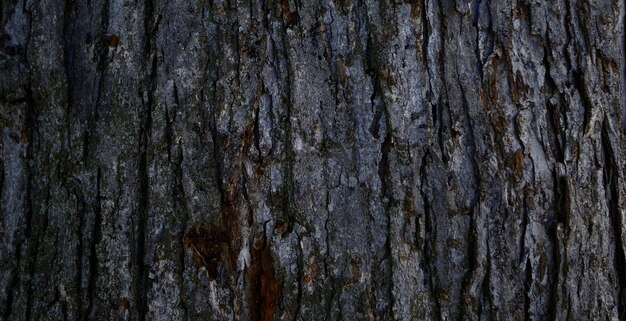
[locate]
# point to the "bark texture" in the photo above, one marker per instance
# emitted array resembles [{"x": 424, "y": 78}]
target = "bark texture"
[{"x": 312, "y": 160}]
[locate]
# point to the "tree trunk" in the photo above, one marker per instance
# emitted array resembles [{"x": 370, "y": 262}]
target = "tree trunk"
[{"x": 312, "y": 160}]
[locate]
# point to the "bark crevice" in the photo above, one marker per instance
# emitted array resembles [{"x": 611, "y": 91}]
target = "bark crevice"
[
  {"x": 611, "y": 183},
  {"x": 145, "y": 117}
]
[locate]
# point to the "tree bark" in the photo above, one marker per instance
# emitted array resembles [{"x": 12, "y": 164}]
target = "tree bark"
[{"x": 312, "y": 160}]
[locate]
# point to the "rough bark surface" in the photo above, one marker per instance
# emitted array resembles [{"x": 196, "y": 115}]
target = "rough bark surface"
[{"x": 312, "y": 160}]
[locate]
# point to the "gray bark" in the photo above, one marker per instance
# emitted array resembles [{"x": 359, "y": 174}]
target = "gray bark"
[{"x": 312, "y": 160}]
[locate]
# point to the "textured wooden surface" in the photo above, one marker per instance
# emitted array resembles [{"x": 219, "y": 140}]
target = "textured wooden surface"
[{"x": 312, "y": 160}]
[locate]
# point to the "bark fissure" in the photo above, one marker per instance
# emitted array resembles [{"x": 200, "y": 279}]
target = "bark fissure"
[
  {"x": 327, "y": 235},
  {"x": 12, "y": 287},
  {"x": 486, "y": 294},
  {"x": 568, "y": 36},
  {"x": 90, "y": 313},
  {"x": 553, "y": 113},
  {"x": 611, "y": 183},
  {"x": 523, "y": 251},
  {"x": 581, "y": 87},
  {"x": 102, "y": 49},
  {"x": 181, "y": 206},
  {"x": 145, "y": 117},
  {"x": 425, "y": 33},
  {"x": 472, "y": 242},
  {"x": 426, "y": 263},
  {"x": 528, "y": 270},
  {"x": 68, "y": 32},
  {"x": 383, "y": 167},
  {"x": 299, "y": 275},
  {"x": 168, "y": 131},
  {"x": 475, "y": 7}
]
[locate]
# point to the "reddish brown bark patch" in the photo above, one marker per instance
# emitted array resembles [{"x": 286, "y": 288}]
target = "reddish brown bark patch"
[
  {"x": 264, "y": 288},
  {"x": 416, "y": 9},
  {"x": 290, "y": 18},
  {"x": 517, "y": 162},
  {"x": 209, "y": 246},
  {"x": 111, "y": 40}
]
